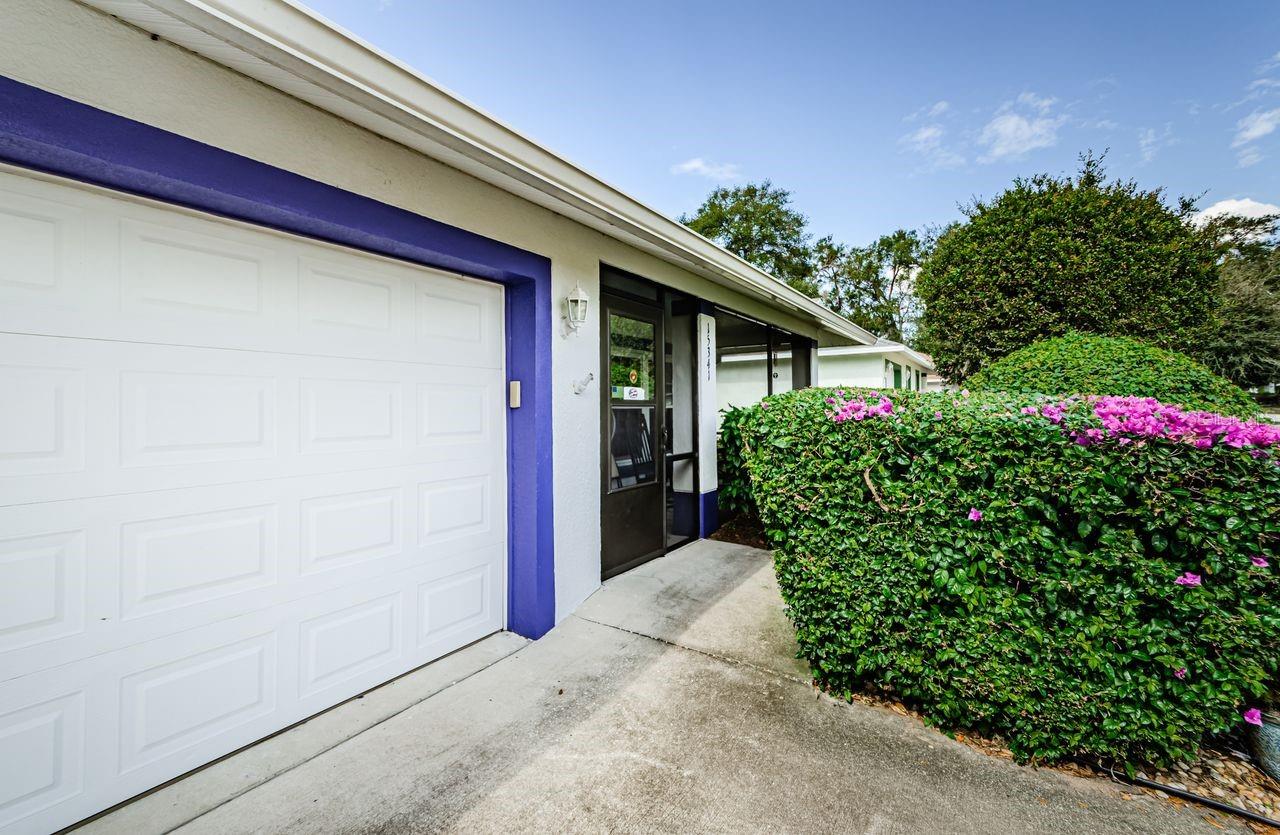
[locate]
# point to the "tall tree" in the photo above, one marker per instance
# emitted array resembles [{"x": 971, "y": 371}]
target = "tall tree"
[
  {"x": 873, "y": 286},
  {"x": 1244, "y": 344},
  {"x": 1052, "y": 255},
  {"x": 758, "y": 223}
]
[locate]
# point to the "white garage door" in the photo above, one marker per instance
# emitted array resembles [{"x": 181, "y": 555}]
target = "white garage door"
[{"x": 243, "y": 476}]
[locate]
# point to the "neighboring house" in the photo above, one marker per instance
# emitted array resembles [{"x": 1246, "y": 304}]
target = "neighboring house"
[
  {"x": 885, "y": 364},
  {"x": 745, "y": 376},
  {"x": 312, "y": 373}
]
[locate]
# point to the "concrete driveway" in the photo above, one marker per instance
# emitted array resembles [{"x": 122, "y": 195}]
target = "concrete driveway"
[{"x": 671, "y": 702}]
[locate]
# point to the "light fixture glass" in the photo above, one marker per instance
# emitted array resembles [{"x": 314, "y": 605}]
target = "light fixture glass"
[{"x": 575, "y": 307}]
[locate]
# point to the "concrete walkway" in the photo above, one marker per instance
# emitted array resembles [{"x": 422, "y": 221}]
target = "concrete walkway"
[{"x": 671, "y": 702}]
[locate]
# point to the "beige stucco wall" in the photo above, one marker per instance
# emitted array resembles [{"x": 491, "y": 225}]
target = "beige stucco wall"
[{"x": 75, "y": 51}]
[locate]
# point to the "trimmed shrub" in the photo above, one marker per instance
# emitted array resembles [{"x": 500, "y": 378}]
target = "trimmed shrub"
[
  {"x": 733, "y": 495},
  {"x": 1088, "y": 577},
  {"x": 1083, "y": 364}
]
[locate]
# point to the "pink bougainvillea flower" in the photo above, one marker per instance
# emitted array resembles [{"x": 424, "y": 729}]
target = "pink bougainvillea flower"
[
  {"x": 975, "y": 515},
  {"x": 858, "y": 409},
  {"x": 1180, "y": 673},
  {"x": 1145, "y": 417},
  {"x": 1188, "y": 579},
  {"x": 1260, "y": 562},
  {"x": 937, "y": 415},
  {"x": 764, "y": 405},
  {"x": 1253, "y": 716}
]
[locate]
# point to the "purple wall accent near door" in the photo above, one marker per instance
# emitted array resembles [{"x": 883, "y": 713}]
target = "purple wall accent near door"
[
  {"x": 709, "y": 505},
  {"x": 44, "y": 131}
]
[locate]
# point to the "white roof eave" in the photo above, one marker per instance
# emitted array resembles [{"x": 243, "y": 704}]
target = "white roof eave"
[{"x": 286, "y": 46}]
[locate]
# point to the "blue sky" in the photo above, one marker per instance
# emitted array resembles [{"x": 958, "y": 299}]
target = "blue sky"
[{"x": 875, "y": 115}]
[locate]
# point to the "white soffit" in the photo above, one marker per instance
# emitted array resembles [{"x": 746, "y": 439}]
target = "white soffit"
[{"x": 287, "y": 47}]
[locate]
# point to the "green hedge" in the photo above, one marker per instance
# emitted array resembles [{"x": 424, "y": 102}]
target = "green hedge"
[
  {"x": 1083, "y": 364},
  {"x": 1054, "y": 621},
  {"x": 733, "y": 493}
]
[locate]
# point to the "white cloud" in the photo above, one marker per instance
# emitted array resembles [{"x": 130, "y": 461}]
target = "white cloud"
[
  {"x": 1270, "y": 64},
  {"x": 931, "y": 111},
  {"x": 710, "y": 170},
  {"x": 1248, "y": 156},
  {"x": 1150, "y": 141},
  {"x": 927, "y": 141},
  {"x": 1242, "y": 207},
  {"x": 1250, "y": 129},
  {"x": 1147, "y": 144},
  {"x": 1011, "y": 135},
  {"x": 1039, "y": 103},
  {"x": 1020, "y": 126},
  {"x": 924, "y": 137},
  {"x": 1256, "y": 125}
]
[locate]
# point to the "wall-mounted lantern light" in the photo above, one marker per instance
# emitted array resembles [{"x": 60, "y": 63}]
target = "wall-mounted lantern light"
[{"x": 575, "y": 307}]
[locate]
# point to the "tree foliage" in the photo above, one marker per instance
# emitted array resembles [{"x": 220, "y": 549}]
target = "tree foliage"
[
  {"x": 1052, "y": 255},
  {"x": 873, "y": 286},
  {"x": 757, "y": 223},
  {"x": 1244, "y": 345}
]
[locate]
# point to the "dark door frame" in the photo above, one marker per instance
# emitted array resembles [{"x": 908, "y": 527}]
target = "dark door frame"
[
  {"x": 616, "y": 503},
  {"x": 657, "y": 300}
]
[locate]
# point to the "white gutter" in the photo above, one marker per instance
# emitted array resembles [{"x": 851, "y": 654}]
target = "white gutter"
[{"x": 290, "y": 48}]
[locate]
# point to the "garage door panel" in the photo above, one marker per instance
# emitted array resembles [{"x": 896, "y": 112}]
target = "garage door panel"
[
  {"x": 170, "y": 277},
  {"x": 126, "y": 720},
  {"x": 42, "y": 748},
  {"x": 181, "y": 561},
  {"x": 42, "y": 588},
  {"x": 90, "y": 418},
  {"x": 42, "y": 423},
  {"x": 459, "y": 320},
  {"x": 177, "y": 269},
  {"x": 43, "y": 243},
  {"x": 342, "y": 302},
  {"x": 180, "y": 417}
]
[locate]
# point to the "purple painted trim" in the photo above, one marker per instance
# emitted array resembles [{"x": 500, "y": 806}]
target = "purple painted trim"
[
  {"x": 44, "y": 131},
  {"x": 709, "y": 513}
]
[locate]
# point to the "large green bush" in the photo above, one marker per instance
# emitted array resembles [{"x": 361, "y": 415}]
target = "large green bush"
[
  {"x": 1051, "y": 255},
  {"x": 1083, "y": 364},
  {"x": 1055, "y": 620}
]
